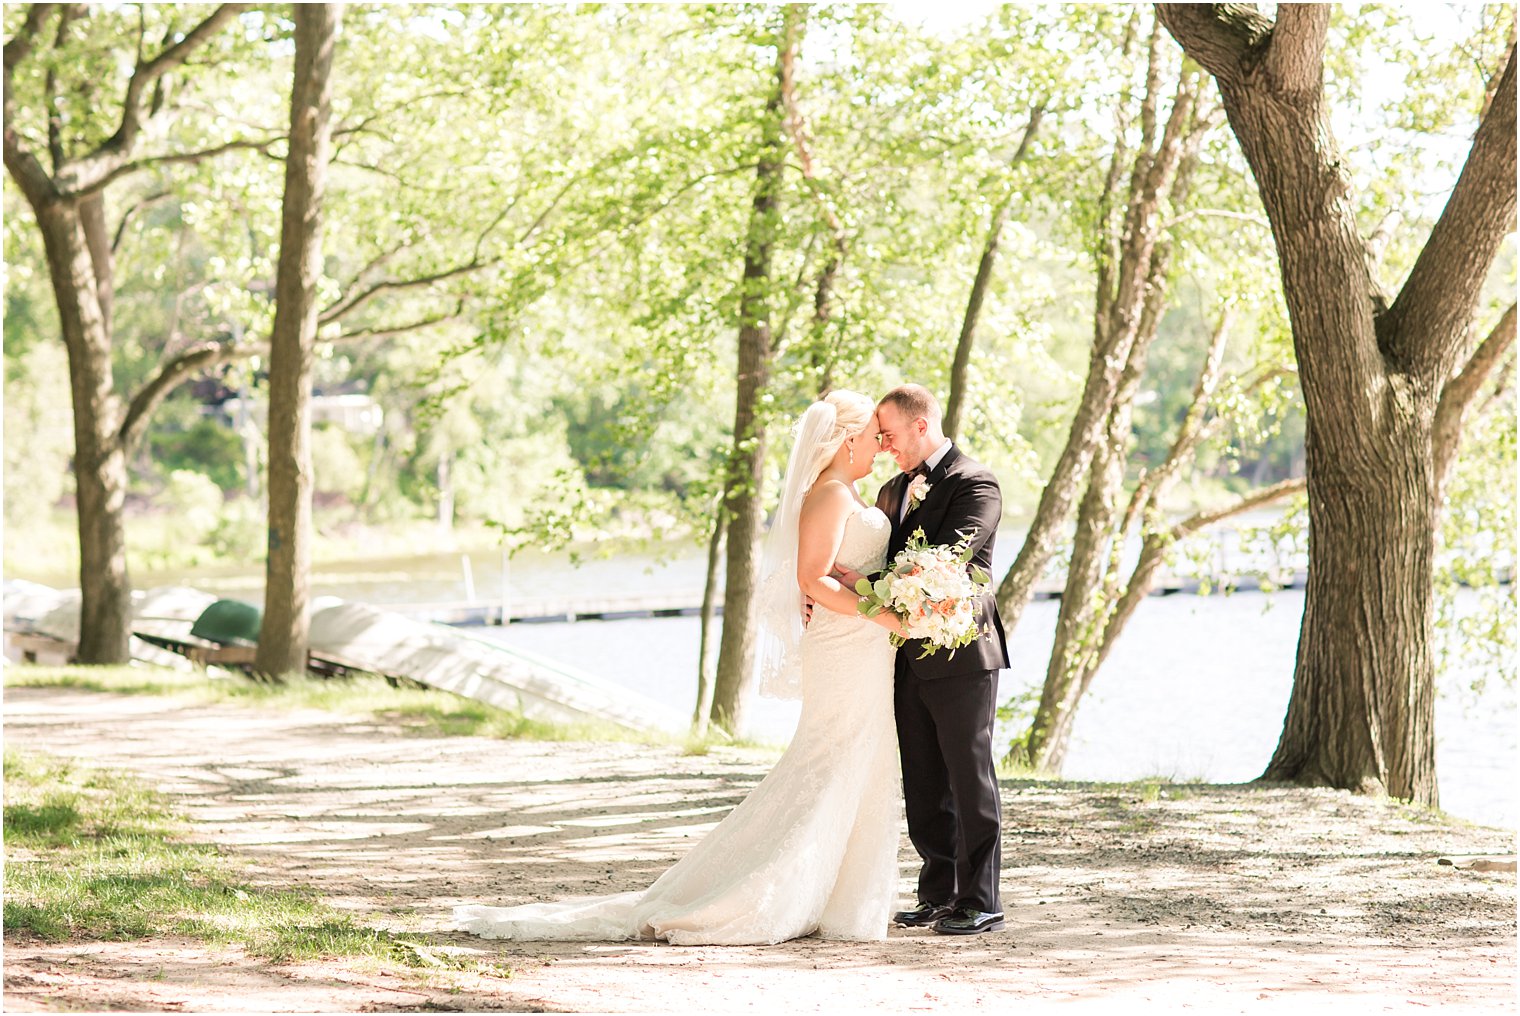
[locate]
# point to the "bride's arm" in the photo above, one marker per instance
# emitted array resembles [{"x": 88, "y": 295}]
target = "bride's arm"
[{"x": 820, "y": 531}]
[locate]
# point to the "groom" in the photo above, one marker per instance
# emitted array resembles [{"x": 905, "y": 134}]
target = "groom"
[{"x": 945, "y": 704}]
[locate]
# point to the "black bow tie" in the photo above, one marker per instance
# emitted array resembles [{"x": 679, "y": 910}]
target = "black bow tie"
[{"x": 922, "y": 469}]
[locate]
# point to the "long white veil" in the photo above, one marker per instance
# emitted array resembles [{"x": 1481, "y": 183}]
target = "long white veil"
[{"x": 779, "y": 598}]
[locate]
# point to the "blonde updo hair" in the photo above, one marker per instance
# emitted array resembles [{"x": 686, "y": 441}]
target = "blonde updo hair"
[{"x": 851, "y": 412}]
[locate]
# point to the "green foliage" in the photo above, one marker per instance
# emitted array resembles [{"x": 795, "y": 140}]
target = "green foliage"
[
  {"x": 335, "y": 464},
  {"x": 1475, "y": 580},
  {"x": 205, "y": 447},
  {"x": 240, "y": 531},
  {"x": 38, "y": 439}
]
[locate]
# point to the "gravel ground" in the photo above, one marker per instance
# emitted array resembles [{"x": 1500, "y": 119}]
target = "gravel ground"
[{"x": 1163, "y": 897}]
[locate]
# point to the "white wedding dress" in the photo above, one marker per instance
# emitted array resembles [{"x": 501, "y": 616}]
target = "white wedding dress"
[{"x": 812, "y": 849}]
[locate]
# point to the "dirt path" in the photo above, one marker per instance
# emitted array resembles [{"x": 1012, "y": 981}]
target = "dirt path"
[{"x": 1203, "y": 898}]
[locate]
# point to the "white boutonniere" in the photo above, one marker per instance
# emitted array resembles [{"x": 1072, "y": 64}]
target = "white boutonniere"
[{"x": 918, "y": 489}]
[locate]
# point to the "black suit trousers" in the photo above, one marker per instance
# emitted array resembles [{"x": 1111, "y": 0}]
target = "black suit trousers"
[{"x": 950, "y": 788}]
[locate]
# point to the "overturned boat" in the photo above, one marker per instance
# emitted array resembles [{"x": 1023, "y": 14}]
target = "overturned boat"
[{"x": 42, "y": 625}]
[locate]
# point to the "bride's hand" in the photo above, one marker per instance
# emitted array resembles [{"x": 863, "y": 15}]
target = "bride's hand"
[{"x": 888, "y": 620}]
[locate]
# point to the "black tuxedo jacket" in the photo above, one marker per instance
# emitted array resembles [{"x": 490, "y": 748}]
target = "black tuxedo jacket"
[{"x": 963, "y": 499}]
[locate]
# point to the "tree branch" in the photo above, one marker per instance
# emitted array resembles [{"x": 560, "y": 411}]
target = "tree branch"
[
  {"x": 126, "y": 216},
  {"x": 1295, "y": 55},
  {"x": 362, "y": 334},
  {"x": 1223, "y": 38},
  {"x": 1256, "y": 499},
  {"x": 1426, "y": 324},
  {"x": 178, "y": 158},
  {"x": 19, "y": 160},
  {"x": 1491, "y": 88},
  {"x": 1214, "y": 213},
  {"x": 19, "y": 46},
  {"x": 1106, "y": 245},
  {"x": 169, "y": 376},
  {"x": 1457, "y": 397},
  {"x": 1191, "y": 431},
  {"x": 50, "y": 89},
  {"x": 1151, "y": 554},
  {"x": 85, "y": 175},
  {"x": 348, "y": 305},
  {"x": 209, "y": 354},
  {"x": 961, "y": 363},
  {"x": 1159, "y": 174}
]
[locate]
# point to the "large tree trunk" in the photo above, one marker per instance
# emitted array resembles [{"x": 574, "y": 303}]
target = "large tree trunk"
[
  {"x": 284, "y": 637},
  {"x": 744, "y": 482},
  {"x": 1361, "y": 715},
  {"x": 1362, "y": 711},
  {"x": 100, "y": 461}
]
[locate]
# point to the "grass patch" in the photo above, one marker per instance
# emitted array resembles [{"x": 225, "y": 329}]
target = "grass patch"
[
  {"x": 421, "y": 711},
  {"x": 128, "y": 679},
  {"x": 94, "y": 855},
  {"x": 1011, "y": 768}
]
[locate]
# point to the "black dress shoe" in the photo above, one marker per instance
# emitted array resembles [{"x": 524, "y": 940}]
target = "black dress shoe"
[
  {"x": 921, "y": 916},
  {"x": 965, "y": 921}
]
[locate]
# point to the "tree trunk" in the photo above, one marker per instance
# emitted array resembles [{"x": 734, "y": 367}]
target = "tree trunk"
[
  {"x": 1361, "y": 715},
  {"x": 705, "y": 661},
  {"x": 820, "y": 350},
  {"x": 283, "y": 639},
  {"x": 1079, "y": 619},
  {"x": 100, "y": 461},
  {"x": 1131, "y": 294},
  {"x": 1362, "y": 712},
  {"x": 961, "y": 364},
  {"x": 1118, "y": 321},
  {"x": 446, "y": 492},
  {"x": 744, "y": 482},
  {"x": 1098, "y": 541},
  {"x": 1096, "y": 605}
]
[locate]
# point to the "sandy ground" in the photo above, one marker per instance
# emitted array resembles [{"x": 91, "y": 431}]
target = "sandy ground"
[{"x": 1211, "y": 899}]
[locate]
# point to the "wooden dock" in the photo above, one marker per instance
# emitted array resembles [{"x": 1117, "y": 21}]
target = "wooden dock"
[{"x": 552, "y": 610}]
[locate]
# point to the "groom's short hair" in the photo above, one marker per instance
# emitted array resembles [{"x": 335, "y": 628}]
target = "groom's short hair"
[{"x": 913, "y": 401}]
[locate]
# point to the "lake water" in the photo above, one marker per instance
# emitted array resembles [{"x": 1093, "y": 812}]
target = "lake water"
[{"x": 1196, "y": 689}]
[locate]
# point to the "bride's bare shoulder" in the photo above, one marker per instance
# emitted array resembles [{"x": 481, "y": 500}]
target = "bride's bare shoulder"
[{"x": 828, "y": 496}]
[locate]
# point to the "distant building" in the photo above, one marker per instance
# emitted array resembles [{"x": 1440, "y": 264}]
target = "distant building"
[{"x": 355, "y": 413}]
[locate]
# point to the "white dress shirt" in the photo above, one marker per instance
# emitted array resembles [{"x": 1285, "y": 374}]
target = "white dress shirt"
[{"x": 929, "y": 464}]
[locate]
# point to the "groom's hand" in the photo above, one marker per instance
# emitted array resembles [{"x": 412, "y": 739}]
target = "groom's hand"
[
  {"x": 807, "y": 610},
  {"x": 846, "y": 577}
]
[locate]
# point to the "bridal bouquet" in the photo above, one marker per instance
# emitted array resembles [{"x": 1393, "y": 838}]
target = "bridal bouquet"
[{"x": 932, "y": 591}]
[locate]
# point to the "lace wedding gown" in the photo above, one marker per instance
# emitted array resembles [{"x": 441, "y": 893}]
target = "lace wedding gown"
[{"x": 813, "y": 848}]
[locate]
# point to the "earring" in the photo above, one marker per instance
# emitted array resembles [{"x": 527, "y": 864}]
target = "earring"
[{"x": 851, "y": 449}]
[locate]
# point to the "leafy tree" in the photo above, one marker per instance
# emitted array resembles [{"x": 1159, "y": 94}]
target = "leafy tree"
[{"x": 1386, "y": 383}]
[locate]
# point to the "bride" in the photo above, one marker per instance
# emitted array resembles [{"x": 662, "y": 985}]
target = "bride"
[{"x": 813, "y": 848}]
